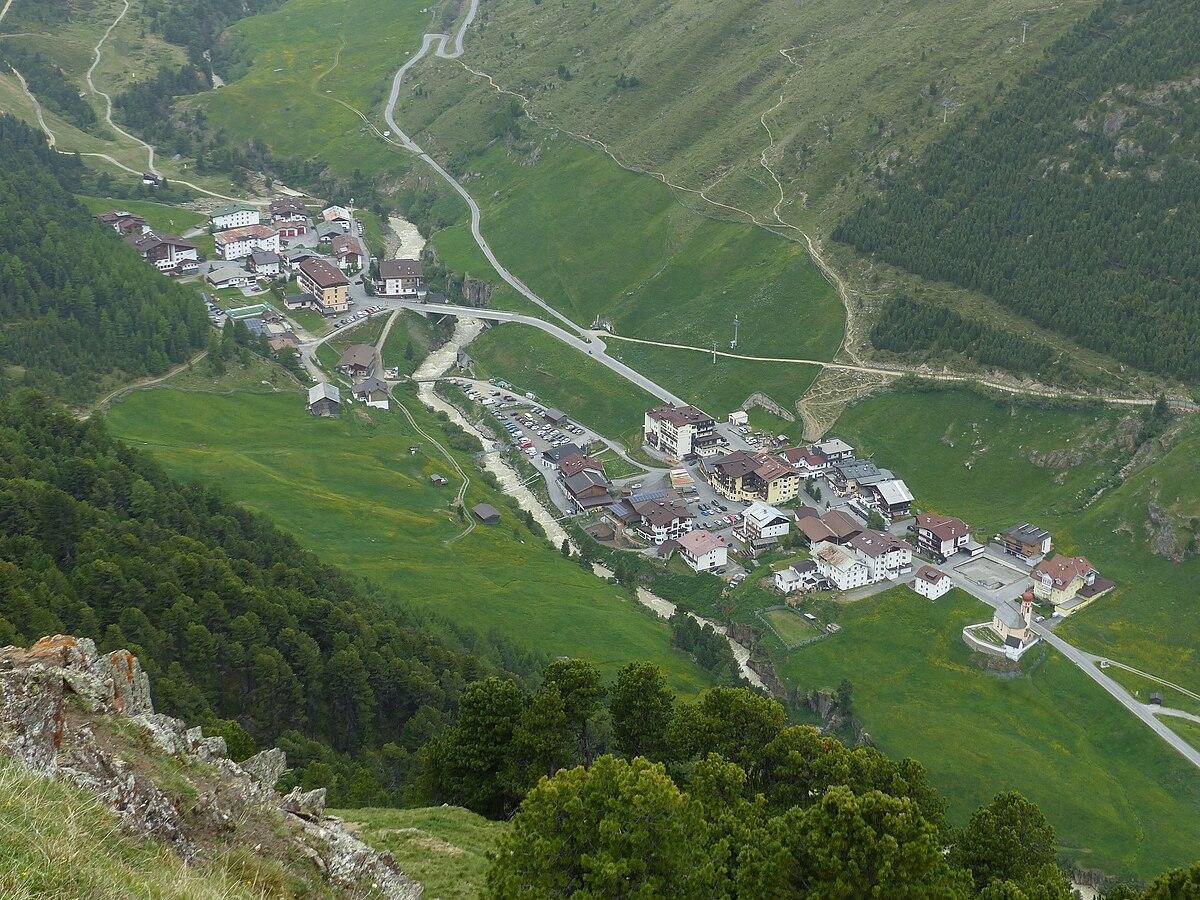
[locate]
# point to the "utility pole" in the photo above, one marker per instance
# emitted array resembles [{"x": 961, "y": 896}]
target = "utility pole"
[
  {"x": 736, "y": 322},
  {"x": 945, "y": 109},
  {"x": 1024, "y": 29},
  {"x": 714, "y": 353}
]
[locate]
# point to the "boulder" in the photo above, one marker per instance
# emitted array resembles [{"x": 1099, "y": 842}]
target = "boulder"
[
  {"x": 305, "y": 804},
  {"x": 266, "y": 767}
]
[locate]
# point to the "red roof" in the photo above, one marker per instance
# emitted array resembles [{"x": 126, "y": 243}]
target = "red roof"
[
  {"x": 944, "y": 528},
  {"x": 1064, "y": 569}
]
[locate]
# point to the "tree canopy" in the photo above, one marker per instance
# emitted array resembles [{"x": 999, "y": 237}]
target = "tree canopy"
[{"x": 1074, "y": 197}]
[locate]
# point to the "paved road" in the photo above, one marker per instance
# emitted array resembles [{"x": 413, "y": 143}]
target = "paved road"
[
  {"x": 1086, "y": 662},
  {"x": 591, "y": 344},
  {"x": 438, "y": 43}
]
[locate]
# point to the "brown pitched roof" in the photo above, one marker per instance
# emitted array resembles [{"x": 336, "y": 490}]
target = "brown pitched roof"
[
  {"x": 876, "y": 543},
  {"x": 1064, "y": 569},
  {"x": 344, "y": 245},
  {"x": 679, "y": 415},
  {"x": 815, "y": 529},
  {"x": 324, "y": 273},
  {"x": 700, "y": 542},
  {"x": 246, "y": 231},
  {"x": 797, "y": 455},
  {"x": 944, "y": 528},
  {"x": 576, "y": 463},
  {"x": 400, "y": 268},
  {"x": 661, "y": 512},
  {"x": 930, "y": 574},
  {"x": 842, "y": 524},
  {"x": 357, "y": 355}
]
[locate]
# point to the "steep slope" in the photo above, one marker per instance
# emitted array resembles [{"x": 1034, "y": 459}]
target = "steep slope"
[
  {"x": 1074, "y": 200},
  {"x": 239, "y": 628},
  {"x": 80, "y": 309},
  {"x": 118, "y": 800}
]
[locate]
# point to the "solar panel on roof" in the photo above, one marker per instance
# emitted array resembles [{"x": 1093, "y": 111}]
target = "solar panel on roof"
[{"x": 647, "y": 497}]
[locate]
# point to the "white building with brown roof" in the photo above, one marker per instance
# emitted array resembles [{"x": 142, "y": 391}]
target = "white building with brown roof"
[
  {"x": 840, "y": 565},
  {"x": 165, "y": 252},
  {"x": 931, "y": 583},
  {"x": 745, "y": 476},
  {"x": 238, "y": 243},
  {"x": 400, "y": 278},
  {"x": 661, "y": 520},
  {"x": 680, "y": 432},
  {"x": 703, "y": 551},
  {"x": 941, "y": 536}
]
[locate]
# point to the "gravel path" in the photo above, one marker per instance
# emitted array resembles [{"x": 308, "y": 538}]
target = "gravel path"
[{"x": 435, "y": 365}]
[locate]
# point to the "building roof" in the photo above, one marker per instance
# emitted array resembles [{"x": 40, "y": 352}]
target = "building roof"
[
  {"x": 360, "y": 355},
  {"x": 150, "y": 240},
  {"x": 323, "y": 390},
  {"x": 679, "y": 415},
  {"x": 874, "y": 543},
  {"x": 554, "y": 454},
  {"x": 834, "y": 556},
  {"x": 370, "y": 385},
  {"x": 230, "y": 208},
  {"x": 894, "y": 492},
  {"x": 661, "y": 512},
  {"x": 841, "y": 523},
  {"x": 815, "y": 529},
  {"x": 329, "y": 229},
  {"x": 264, "y": 257},
  {"x": 805, "y": 512},
  {"x": 304, "y": 299},
  {"x": 932, "y": 575},
  {"x": 287, "y": 206},
  {"x": 344, "y": 245},
  {"x": 833, "y": 446},
  {"x": 554, "y": 415},
  {"x": 334, "y": 213},
  {"x": 700, "y": 542},
  {"x": 795, "y": 456},
  {"x": 583, "y": 480},
  {"x": 944, "y": 528},
  {"x": 762, "y": 514},
  {"x": 577, "y": 462},
  {"x": 246, "y": 232},
  {"x": 1027, "y": 533},
  {"x": 225, "y": 273},
  {"x": 400, "y": 268},
  {"x": 804, "y": 566},
  {"x": 1064, "y": 569},
  {"x": 323, "y": 273},
  {"x": 736, "y": 464},
  {"x": 857, "y": 469},
  {"x": 486, "y": 511}
]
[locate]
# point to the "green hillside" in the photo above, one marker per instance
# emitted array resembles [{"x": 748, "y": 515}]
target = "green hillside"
[
  {"x": 996, "y": 463},
  {"x": 1073, "y": 199},
  {"x": 1121, "y": 800},
  {"x": 445, "y": 848},
  {"x": 350, "y": 489}
]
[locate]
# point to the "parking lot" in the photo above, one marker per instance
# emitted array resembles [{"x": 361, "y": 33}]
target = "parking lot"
[{"x": 524, "y": 419}]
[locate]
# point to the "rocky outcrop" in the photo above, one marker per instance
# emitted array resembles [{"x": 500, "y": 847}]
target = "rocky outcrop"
[
  {"x": 476, "y": 292},
  {"x": 70, "y": 712},
  {"x": 761, "y": 399}
]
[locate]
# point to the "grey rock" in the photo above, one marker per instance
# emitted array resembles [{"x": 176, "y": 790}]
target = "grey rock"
[
  {"x": 267, "y": 766},
  {"x": 305, "y": 804}
]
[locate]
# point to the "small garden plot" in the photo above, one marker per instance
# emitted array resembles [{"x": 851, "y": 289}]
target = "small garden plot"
[{"x": 791, "y": 627}]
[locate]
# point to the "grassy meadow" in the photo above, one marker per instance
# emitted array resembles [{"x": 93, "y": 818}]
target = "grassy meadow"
[
  {"x": 350, "y": 490},
  {"x": 1121, "y": 800},
  {"x": 998, "y": 463},
  {"x": 445, "y": 848}
]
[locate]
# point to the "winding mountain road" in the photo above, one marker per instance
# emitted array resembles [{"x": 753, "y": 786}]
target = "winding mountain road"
[
  {"x": 1088, "y": 663},
  {"x": 438, "y": 43}
]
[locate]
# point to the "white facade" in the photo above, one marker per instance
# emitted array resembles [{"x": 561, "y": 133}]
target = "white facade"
[
  {"x": 703, "y": 551},
  {"x": 932, "y": 584},
  {"x": 762, "y": 522},
  {"x": 234, "y": 218},
  {"x": 706, "y": 562},
  {"x": 658, "y": 533},
  {"x": 840, "y": 566},
  {"x": 243, "y": 245},
  {"x": 402, "y": 287}
]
